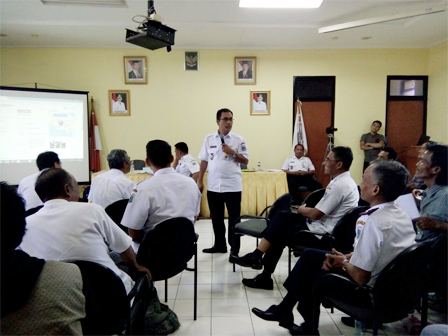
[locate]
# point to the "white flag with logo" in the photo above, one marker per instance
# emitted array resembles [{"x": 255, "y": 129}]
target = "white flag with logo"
[{"x": 299, "y": 135}]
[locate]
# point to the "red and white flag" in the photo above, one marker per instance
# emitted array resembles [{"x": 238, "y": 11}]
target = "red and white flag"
[
  {"x": 299, "y": 134},
  {"x": 95, "y": 142}
]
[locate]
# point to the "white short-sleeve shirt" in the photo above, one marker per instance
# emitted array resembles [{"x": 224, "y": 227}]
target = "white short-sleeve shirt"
[
  {"x": 340, "y": 196},
  {"x": 67, "y": 231},
  {"x": 224, "y": 173},
  {"x": 187, "y": 165},
  {"x": 165, "y": 195},
  {"x": 27, "y": 191},
  {"x": 292, "y": 163},
  {"x": 380, "y": 237},
  {"x": 110, "y": 187}
]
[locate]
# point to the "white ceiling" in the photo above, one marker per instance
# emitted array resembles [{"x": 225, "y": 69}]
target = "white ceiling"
[{"x": 221, "y": 24}]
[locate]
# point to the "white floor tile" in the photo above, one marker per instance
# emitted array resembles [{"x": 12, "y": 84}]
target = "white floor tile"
[
  {"x": 228, "y": 291},
  {"x": 230, "y": 307},
  {"x": 185, "y": 307},
  {"x": 267, "y": 328},
  {"x": 200, "y": 327},
  {"x": 187, "y": 291},
  {"x": 203, "y": 278},
  {"x": 227, "y": 277},
  {"x": 226, "y": 326}
]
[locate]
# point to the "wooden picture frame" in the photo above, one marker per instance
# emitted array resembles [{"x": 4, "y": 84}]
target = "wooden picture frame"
[
  {"x": 191, "y": 61},
  {"x": 260, "y": 103},
  {"x": 119, "y": 102},
  {"x": 135, "y": 70},
  {"x": 245, "y": 70}
]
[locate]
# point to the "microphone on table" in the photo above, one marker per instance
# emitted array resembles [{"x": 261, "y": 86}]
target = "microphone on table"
[{"x": 222, "y": 141}]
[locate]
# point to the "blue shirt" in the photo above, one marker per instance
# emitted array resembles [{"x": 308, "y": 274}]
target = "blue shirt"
[{"x": 434, "y": 205}]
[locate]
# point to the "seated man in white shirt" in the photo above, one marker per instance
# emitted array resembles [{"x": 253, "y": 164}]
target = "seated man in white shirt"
[
  {"x": 300, "y": 171},
  {"x": 66, "y": 230},
  {"x": 26, "y": 186},
  {"x": 184, "y": 163},
  {"x": 165, "y": 195},
  {"x": 112, "y": 186}
]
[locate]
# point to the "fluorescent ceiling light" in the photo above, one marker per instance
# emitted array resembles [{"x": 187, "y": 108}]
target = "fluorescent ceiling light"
[
  {"x": 86, "y": 2},
  {"x": 280, "y": 3}
]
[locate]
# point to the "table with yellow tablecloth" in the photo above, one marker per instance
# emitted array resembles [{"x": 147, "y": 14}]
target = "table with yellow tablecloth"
[{"x": 260, "y": 189}]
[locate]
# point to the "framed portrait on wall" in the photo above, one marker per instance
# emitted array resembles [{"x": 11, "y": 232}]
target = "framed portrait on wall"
[
  {"x": 245, "y": 70},
  {"x": 260, "y": 102},
  {"x": 191, "y": 61},
  {"x": 135, "y": 70},
  {"x": 120, "y": 102}
]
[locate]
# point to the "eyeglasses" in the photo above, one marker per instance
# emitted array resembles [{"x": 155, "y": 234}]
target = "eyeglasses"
[{"x": 227, "y": 119}]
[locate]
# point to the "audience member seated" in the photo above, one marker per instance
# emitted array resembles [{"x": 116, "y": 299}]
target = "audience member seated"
[
  {"x": 166, "y": 195},
  {"x": 341, "y": 195},
  {"x": 382, "y": 233},
  {"x": 300, "y": 172},
  {"x": 67, "y": 230},
  {"x": 26, "y": 186},
  {"x": 432, "y": 168},
  {"x": 388, "y": 153},
  {"x": 112, "y": 186},
  {"x": 184, "y": 163},
  {"x": 38, "y": 297},
  {"x": 417, "y": 182}
]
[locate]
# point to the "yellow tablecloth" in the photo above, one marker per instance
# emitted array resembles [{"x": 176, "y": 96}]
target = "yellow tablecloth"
[{"x": 260, "y": 189}]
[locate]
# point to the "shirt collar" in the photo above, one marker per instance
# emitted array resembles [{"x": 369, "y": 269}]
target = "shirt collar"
[
  {"x": 433, "y": 190},
  {"x": 164, "y": 171},
  {"x": 225, "y": 136},
  {"x": 347, "y": 173}
]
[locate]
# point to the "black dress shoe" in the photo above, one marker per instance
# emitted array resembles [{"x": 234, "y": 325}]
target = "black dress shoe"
[
  {"x": 233, "y": 258},
  {"x": 250, "y": 260},
  {"x": 215, "y": 249},
  {"x": 273, "y": 313},
  {"x": 260, "y": 282},
  {"x": 302, "y": 330}
]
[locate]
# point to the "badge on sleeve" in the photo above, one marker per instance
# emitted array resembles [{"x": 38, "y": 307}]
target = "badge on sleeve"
[{"x": 243, "y": 146}]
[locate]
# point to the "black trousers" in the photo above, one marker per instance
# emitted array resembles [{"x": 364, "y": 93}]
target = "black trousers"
[
  {"x": 306, "y": 285},
  {"x": 279, "y": 233},
  {"x": 295, "y": 181},
  {"x": 232, "y": 201}
]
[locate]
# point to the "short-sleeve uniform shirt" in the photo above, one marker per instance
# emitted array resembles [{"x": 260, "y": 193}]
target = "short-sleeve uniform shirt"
[
  {"x": 224, "y": 173},
  {"x": 26, "y": 190},
  {"x": 292, "y": 163},
  {"x": 187, "y": 166},
  {"x": 110, "y": 187},
  {"x": 340, "y": 196}
]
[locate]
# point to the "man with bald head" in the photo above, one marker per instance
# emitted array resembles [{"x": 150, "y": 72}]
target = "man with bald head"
[{"x": 65, "y": 230}]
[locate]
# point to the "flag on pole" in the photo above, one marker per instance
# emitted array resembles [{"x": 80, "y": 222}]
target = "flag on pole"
[
  {"x": 299, "y": 135},
  {"x": 95, "y": 141}
]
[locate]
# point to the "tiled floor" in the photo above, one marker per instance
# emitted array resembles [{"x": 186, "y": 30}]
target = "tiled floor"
[{"x": 224, "y": 303}]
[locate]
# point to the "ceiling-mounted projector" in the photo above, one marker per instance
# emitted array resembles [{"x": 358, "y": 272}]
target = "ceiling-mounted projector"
[{"x": 151, "y": 34}]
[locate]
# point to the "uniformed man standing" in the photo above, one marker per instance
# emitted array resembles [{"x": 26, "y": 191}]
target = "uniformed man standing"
[{"x": 223, "y": 152}]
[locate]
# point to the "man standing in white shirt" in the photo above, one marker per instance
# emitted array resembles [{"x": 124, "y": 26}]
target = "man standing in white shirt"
[
  {"x": 184, "y": 163},
  {"x": 165, "y": 195},
  {"x": 300, "y": 171},
  {"x": 112, "y": 186},
  {"x": 26, "y": 186},
  {"x": 223, "y": 152}
]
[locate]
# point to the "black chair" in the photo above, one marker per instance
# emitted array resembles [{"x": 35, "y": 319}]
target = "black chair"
[
  {"x": 116, "y": 212},
  {"x": 312, "y": 199},
  {"x": 32, "y": 211},
  {"x": 255, "y": 225},
  {"x": 397, "y": 291},
  {"x": 341, "y": 238},
  {"x": 108, "y": 309},
  {"x": 166, "y": 250},
  {"x": 139, "y": 164}
]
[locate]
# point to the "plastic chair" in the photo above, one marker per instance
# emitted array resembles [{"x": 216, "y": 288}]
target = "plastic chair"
[
  {"x": 312, "y": 199},
  {"x": 397, "y": 290},
  {"x": 139, "y": 164},
  {"x": 32, "y": 211},
  {"x": 108, "y": 309},
  {"x": 116, "y": 212},
  {"x": 166, "y": 249},
  {"x": 255, "y": 225}
]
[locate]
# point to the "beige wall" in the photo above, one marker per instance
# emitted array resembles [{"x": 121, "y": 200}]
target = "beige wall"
[{"x": 180, "y": 106}]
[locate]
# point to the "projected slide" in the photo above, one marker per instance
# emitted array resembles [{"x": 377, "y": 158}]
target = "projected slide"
[{"x": 32, "y": 122}]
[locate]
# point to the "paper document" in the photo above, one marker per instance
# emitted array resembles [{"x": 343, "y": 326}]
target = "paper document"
[{"x": 407, "y": 202}]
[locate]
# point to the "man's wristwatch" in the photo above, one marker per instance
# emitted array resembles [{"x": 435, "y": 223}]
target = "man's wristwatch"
[
  {"x": 343, "y": 263},
  {"x": 235, "y": 154}
]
